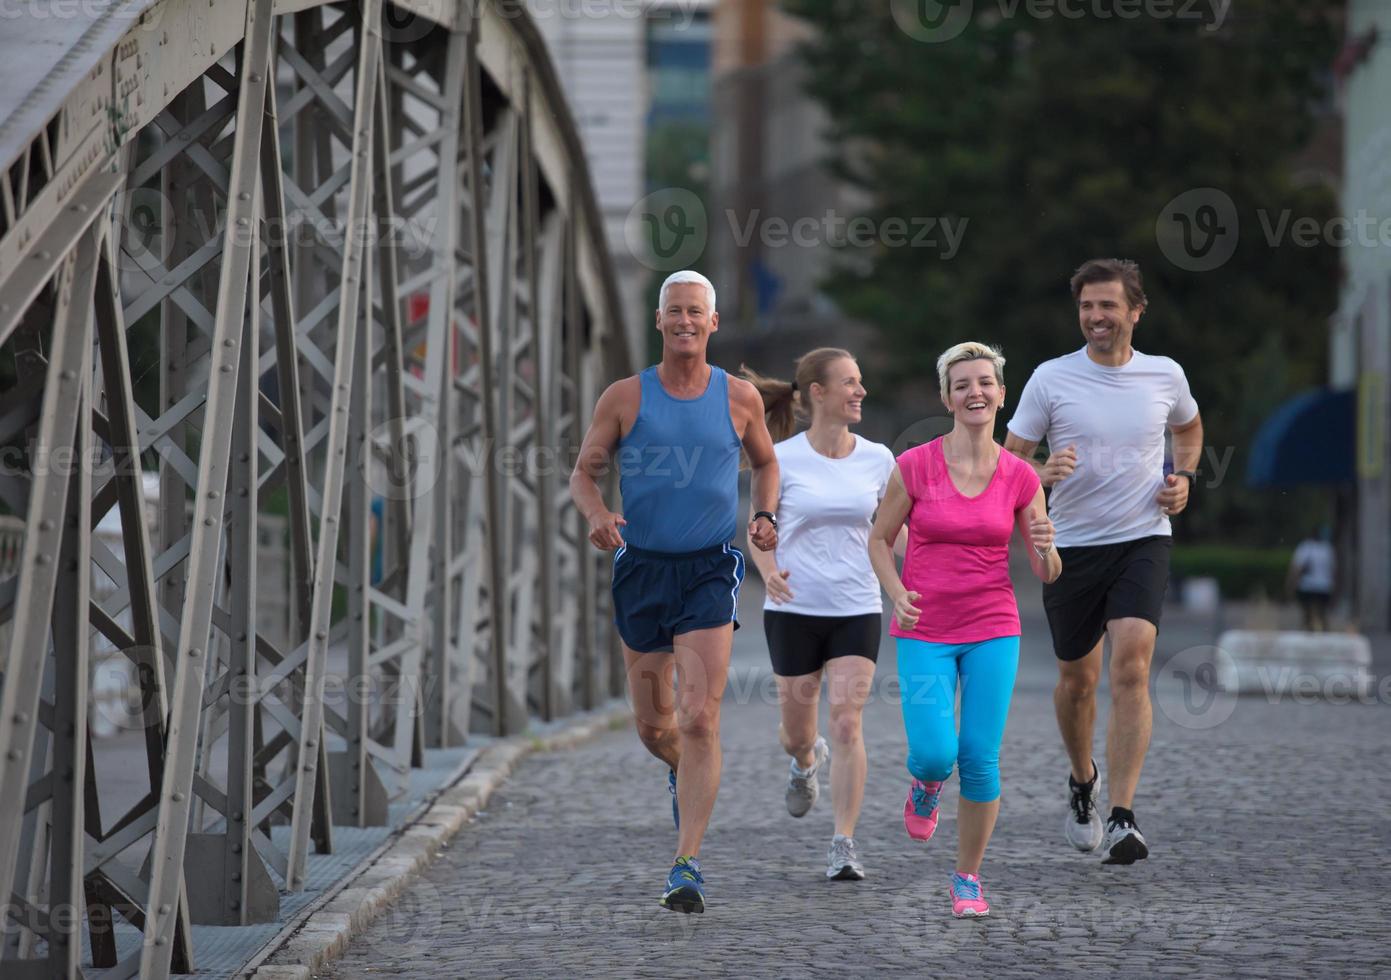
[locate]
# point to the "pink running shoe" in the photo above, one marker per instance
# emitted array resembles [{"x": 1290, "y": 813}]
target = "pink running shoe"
[
  {"x": 967, "y": 899},
  {"x": 920, "y": 810}
]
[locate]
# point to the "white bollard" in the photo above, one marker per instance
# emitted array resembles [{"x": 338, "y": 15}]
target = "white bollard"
[{"x": 1284, "y": 662}]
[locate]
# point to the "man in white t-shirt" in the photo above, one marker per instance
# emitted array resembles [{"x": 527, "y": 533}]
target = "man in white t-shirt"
[{"x": 1104, "y": 411}]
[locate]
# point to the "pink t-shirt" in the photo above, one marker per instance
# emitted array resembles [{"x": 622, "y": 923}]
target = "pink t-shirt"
[{"x": 958, "y": 548}]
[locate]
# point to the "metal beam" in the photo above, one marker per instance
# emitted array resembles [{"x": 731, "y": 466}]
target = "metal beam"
[
  {"x": 167, "y": 852},
  {"x": 493, "y": 505},
  {"x": 355, "y": 282},
  {"x": 444, "y": 642},
  {"x": 546, "y": 298},
  {"x": 48, "y": 499},
  {"x": 70, "y": 647}
]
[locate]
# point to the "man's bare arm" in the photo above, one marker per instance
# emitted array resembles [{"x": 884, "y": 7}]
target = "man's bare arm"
[
  {"x": 1187, "y": 452},
  {"x": 1024, "y": 450},
  {"x": 763, "y": 464},
  {"x": 1059, "y": 465},
  {"x": 1188, "y": 444},
  {"x": 595, "y": 458}
]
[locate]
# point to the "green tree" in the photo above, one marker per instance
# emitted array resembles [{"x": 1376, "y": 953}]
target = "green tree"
[{"x": 1060, "y": 139}]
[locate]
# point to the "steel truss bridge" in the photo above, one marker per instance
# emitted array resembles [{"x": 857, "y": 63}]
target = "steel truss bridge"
[{"x": 339, "y": 261}]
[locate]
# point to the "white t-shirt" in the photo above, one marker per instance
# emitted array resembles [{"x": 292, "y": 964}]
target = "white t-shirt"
[
  {"x": 1315, "y": 561},
  {"x": 1116, "y": 417},
  {"x": 825, "y": 510}
]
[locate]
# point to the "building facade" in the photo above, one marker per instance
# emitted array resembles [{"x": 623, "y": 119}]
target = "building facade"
[
  {"x": 768, "y": 152},
  {"x": 1360, "y": 355},
  {"x": 628, "y": 67}
]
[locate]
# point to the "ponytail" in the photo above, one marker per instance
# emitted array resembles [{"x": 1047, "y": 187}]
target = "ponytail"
[
  {"x": 781, "y": 404},
  {"x": 785, "y": 403}
]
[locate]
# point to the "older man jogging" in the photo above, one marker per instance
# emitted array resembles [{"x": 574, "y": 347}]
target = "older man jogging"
[
  {"x": 677, "y": 429},
  {"x": 1104, "y": 410}
]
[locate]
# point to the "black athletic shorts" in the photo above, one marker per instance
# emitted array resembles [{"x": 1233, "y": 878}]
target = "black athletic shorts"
[
  {"x": 800, "y": 644},
  {"x": 1103, "y": 582}
]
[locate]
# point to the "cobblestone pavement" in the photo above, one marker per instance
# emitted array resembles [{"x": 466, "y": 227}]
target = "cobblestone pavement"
[{"x": 1267, "y": 823}]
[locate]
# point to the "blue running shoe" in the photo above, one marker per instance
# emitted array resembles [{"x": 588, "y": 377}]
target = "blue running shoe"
[
  {"x": 684, "y": 893},
  {"x": 675, "y": 810}
]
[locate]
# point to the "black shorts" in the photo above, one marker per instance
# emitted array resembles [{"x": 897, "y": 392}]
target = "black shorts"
[
  {"x": 1103, "y": 582},
  {"x": 800, "y": 644},
  {"x": 657, "y": 596},
  {"x": 1314, "y": 602}
]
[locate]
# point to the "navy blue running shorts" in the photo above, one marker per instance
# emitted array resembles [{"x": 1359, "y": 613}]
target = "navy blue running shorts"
[{"x": 658, "y": 596}]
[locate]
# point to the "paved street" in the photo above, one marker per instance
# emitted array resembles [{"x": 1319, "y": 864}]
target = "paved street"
[{"x": 1267, "y": 824}]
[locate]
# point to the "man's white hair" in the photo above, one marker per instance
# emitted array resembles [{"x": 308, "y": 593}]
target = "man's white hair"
[{"x": 686, "y": 275}]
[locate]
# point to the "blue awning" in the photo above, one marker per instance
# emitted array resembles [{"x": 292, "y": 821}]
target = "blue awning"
[{"x": 1308, "y": 439}]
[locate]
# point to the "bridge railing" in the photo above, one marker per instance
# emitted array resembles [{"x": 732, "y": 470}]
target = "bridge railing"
[{"x": 336, "y": 265}]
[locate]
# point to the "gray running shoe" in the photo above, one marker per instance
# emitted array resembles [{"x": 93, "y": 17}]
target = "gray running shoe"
[
  {"x": 1083, "y": 822},
  {"x": 842, "y": 863},
  {"x": 802, "y": 786}
]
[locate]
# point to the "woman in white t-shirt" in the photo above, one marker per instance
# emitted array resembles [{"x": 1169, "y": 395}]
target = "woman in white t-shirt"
[{"x": 823, "y": 612}]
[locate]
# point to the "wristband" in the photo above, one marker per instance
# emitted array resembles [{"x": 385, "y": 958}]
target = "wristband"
[
  {"x": 1192, "y": 477},
  {"x": 771, "y": 519}
]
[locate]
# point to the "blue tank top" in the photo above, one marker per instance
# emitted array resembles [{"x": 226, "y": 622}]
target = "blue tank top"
[{"x": 679, "y": 469}]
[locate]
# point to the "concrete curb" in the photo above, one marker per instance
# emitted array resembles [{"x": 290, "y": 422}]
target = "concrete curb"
[{"x": 370, "y": 889}]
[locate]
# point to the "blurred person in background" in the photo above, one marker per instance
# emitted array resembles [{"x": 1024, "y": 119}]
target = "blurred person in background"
[{"x": 1313, "y": 578}]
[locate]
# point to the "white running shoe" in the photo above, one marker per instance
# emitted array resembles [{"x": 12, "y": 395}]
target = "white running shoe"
[
  {"x": 1083, "y": 822},
  {"x": 1124, "y": 842},
  {"x": 842, "y": 863},
  {"x": 802, "y": 786}
]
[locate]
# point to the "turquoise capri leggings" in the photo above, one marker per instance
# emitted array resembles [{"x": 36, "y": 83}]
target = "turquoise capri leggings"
[{"x": 927, "y": 676}]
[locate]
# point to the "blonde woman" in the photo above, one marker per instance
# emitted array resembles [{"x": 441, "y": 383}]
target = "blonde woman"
[
  {"x": 823, "y": 614},
  {"x": 956, "y": 620}
]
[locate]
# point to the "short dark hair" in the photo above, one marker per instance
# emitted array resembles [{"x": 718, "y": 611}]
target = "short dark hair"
[{"x": 1123, "y": 271}]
